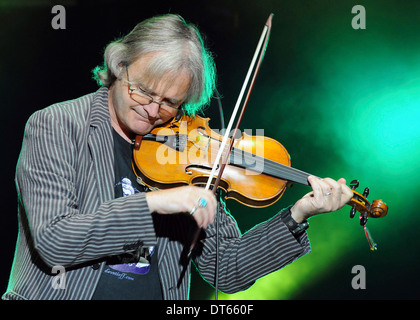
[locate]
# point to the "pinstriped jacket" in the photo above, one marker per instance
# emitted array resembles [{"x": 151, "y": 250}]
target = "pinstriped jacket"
[{"x": 68, "y": 217}]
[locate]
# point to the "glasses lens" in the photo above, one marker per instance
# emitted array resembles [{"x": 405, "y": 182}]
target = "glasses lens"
[
  {"x": 165, "y": 111},
  {"x": 141, "y": 97}
]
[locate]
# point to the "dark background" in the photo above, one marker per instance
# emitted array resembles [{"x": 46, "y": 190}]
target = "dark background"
[{"x": 344, "y": 103}]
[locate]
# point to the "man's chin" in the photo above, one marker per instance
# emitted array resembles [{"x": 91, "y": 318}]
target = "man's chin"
[{"x": 143, "y": 130}]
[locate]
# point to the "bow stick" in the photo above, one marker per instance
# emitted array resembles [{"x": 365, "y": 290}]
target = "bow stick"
[{"x": 260, "y": 51}]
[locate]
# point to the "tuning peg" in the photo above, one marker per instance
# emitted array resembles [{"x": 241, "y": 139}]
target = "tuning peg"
[
  {"x": 366, "y": 192},
  {"x": 354, "y": 184},
  {"x": 363, "y": 219},
  {"x": 353, "y": 211}
]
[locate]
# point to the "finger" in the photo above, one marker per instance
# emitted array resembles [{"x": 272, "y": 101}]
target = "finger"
[
  {"x": 336, "y": 201},
  {"x": 332, "y": 185},
  {"x": 211, "y": 207},
  {"x": 342, "y": 181},
  {"x": 324, "y": 188},
  {"x": 204, "y": 208},
  {"x": 207, "y": 205},
  {"x": 327, "y": 195},
  {"x": 204, "y": 216},
  {"x": 197, "y": 214},
  {"x": 316, "y": 186},
  {"x": 340, "y": 187},
  {"x": 342, "y": 193},
  {"x": 347, "y": 193}
]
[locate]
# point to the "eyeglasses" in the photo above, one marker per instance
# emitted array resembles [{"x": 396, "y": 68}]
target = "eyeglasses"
[{"x": 143, "y": 98}]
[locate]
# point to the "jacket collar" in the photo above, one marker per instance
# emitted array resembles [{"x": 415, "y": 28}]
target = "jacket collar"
[{"x": 100, "y": 111}]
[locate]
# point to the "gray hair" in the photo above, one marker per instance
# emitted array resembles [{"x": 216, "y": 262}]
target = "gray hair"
[{"x": 180, "y": 48}]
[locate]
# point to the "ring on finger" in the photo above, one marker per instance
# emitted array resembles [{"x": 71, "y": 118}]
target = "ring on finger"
[{"x": 200, "y": 204}]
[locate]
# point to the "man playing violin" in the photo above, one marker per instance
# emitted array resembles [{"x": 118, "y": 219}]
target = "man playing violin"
[{"x": 81, "y": 208}]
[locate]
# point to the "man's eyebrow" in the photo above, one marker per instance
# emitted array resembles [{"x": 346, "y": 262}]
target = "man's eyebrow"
[
  {"x": 141, "y": 86},
  {"x": 152, "y": 93},
  {"x": 172, "y": 100}
]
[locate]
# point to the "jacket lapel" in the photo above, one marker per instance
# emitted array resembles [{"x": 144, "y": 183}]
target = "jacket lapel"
[{"x": 101, "y": 145}]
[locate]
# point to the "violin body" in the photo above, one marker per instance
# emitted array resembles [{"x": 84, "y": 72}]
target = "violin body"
[{"x": 183, "y": 153}]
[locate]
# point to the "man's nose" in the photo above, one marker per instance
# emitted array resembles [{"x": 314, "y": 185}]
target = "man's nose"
[{"x": 152, "y": 109}]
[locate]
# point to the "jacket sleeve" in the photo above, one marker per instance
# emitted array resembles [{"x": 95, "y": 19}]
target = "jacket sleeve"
[
  {"x": 243, "y": 259},
  {"x": 48, "y": 190}
]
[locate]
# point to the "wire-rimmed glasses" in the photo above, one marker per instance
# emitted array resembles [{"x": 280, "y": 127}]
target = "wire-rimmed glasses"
[{"x": 143, "y": 98}]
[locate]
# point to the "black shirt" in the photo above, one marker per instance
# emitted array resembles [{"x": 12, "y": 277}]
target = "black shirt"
[{"x": 128, "y": 277}]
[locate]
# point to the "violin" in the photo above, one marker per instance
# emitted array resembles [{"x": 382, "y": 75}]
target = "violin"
[
  {"x": 254, "y": 170},
  {"x": 257, "y": 170}
]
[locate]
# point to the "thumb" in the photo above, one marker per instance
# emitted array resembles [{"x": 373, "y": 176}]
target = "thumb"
[{"x": 342, "y": 181}]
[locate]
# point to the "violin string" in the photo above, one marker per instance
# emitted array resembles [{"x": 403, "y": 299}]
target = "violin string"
[
  {"x": 270, "y": 167},
  {"x": 286, "y": 172},
  {"x": 273, "y": 168}
]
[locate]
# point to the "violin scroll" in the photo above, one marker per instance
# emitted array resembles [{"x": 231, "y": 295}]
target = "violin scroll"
[
  {"x": 359, "y": 202},
  {"x": 379, "y": 209}
]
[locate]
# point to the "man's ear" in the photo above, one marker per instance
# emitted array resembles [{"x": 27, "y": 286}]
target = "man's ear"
[{"x": 121, "y": 69}]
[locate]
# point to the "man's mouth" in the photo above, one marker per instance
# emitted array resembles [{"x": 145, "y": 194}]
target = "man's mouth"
[{"x": 144, "y": 118}]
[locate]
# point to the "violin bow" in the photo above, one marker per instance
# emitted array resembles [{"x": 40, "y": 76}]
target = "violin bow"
[
  {"x": 259, "y": 54},
  {"x": 261, "y": 48}
]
